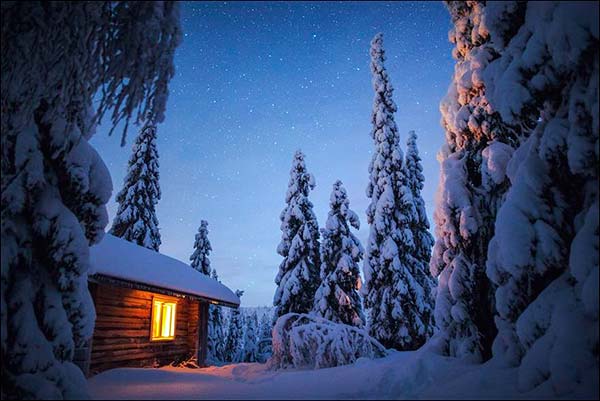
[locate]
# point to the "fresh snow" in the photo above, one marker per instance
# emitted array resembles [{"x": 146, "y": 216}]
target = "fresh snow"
[
  {"x": 419, "y": 374},
  {"x": 117, "y": 258}
]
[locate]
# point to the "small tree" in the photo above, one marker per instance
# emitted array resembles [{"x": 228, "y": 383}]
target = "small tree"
[
  {"x": 136, "y": 219},
  {"x": 337, "y": 298},
  {"x": 298, "y": 276},
  {"x": 202, "y": 248},
  {"x": 216, "y": 335},
  {"x": 233, "y": 344},
  {"x": 265, "y": 338},
  {"x": 250, "y": 351}
]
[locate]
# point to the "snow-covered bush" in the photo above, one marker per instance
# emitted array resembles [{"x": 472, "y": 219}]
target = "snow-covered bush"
[{"x": 308, "y": 341}]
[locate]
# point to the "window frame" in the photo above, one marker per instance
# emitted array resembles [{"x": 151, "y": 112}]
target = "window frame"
[{"x": 163, "y": 300}]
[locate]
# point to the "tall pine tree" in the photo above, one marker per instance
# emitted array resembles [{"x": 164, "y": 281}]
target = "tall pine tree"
[
  {"x": 422, "y": 238},
  {"x": 55, "y": 58},
  {"x": 471, "y": 188},
  {"x": 136, "y": 219},
  {"x": 337, "y": 298},
  {"x": 298, "y": 276},
  {"x": 202, "y": 248},
  {"x": 397, "y": 303}
]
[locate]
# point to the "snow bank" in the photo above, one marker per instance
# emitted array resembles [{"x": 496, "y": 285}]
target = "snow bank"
[
  {"x": 308, "y": 341},
  {"x": 117, "y": 258},
  {"x": 400, "y": 375}
]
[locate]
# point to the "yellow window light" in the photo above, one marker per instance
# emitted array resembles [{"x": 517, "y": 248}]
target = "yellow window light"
[{"x": 163, "y": 320}]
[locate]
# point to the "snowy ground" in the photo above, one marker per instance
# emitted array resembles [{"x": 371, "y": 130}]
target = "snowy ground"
[{"x": 401, "y": 375}]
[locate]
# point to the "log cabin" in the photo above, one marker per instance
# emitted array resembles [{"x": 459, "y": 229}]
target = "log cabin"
[{"x": 151, "y": 309}]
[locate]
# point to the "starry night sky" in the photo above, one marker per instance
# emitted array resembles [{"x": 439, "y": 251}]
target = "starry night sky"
[{"x": 257, "y": 80}]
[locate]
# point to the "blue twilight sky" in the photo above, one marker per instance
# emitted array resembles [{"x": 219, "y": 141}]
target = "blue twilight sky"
[{"x": 257, "y": 80}]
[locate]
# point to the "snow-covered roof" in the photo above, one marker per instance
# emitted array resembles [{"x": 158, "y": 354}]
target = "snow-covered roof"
[{"x": 120, "y": 259}]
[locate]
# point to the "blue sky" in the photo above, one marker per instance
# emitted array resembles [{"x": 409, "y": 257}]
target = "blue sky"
[{"x": 257, "y": 80}]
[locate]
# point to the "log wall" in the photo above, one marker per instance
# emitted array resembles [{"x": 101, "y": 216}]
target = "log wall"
[{"x": 122, "y": 332}]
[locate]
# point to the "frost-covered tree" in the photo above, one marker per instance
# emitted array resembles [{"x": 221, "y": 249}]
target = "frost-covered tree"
[
  {"x": 396, "y": 301},
  {"x": 544, "y": 255},
  {"x": 414, "y": 174},
  {"x": 264, "y": 338},
  {"x": 298, "y": 276},
  {"x": 337, "y": 298},
  {"x": 250, "y": 350},
  {"x": 216, "y": 333},
  {"x": 136, "y": 219},
  {"x": 235, "y": 333},
  {"x": 471, "y": 187},
  {"x": 202, "y": 248},
  {"x": 423, "y": 240},
  {"x": 56, "y": 57}
]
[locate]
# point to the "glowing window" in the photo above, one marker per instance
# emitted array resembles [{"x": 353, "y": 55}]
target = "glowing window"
[{"x": 163, "y": 320}]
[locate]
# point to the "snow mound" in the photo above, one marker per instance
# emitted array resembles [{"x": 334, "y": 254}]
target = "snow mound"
[{"x": 308, "y": 341}]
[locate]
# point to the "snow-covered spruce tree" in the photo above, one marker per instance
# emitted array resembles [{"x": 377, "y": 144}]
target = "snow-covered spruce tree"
[
  {"x": 471, "y": 187},
  {"x": 298, "y": 276},
  {"x": 216, "y": 334},
  {"x": 395, "y": 299},
  {"x": 136, "y": 219},
  {"x": 250, "y": 350},
  {"x": 235, "y": 333},
  {"x": 544, "y": 255},
  {"x": 422, "y": 238},
  {"x": 264, "y": 338},
  {"x": 55, "y": 58},
  {"x": 202, "y": 248},
  {"x": 337, "y": 298}
]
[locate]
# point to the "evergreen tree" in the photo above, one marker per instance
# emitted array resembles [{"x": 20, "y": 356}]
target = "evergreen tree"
[
  {"x": 337, "y": 298},
  {"x": 422, "y": 238},
  {"x": 55, "y": 58},
  {"x": 394, "y": 297},
  {"x": 264, "y": 338},
  {"x": 202, "y": 248},
  {"x": 216, "y": 335},
  {"x": 233, "y": 344},
  {"x": 544, "y": 254},
  {"x": 250, "y": 351},
  {"x": 298, "y": 276},
  {"x": 136, "y": 219},
  {"x": 471, "y": 188}
]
